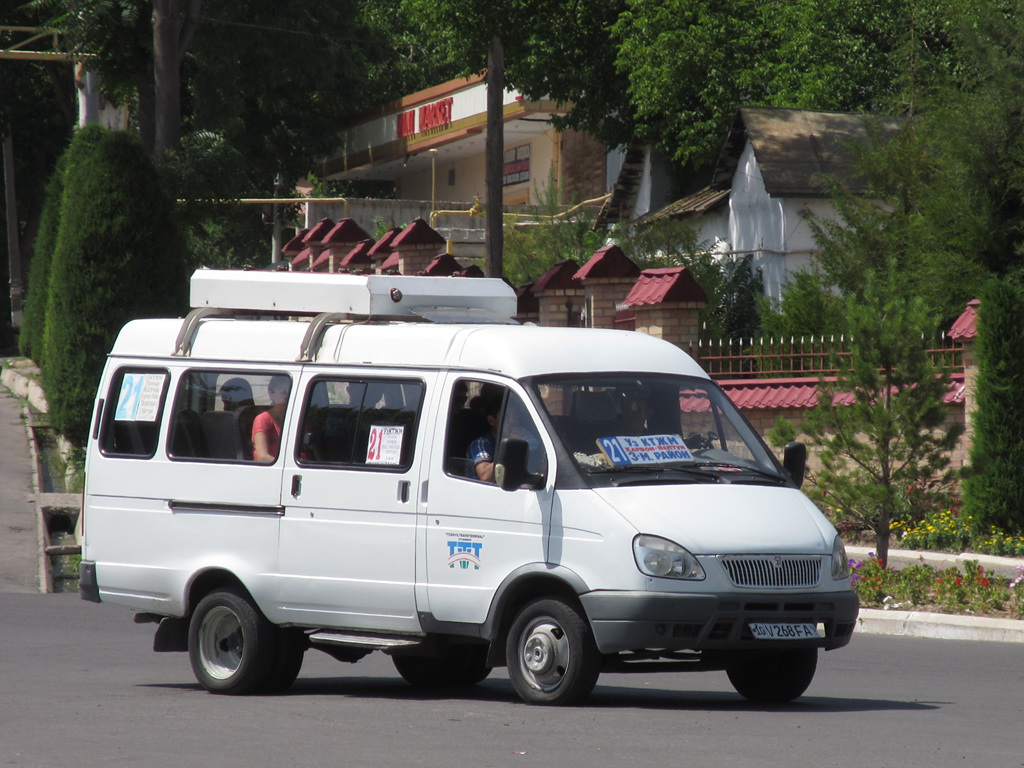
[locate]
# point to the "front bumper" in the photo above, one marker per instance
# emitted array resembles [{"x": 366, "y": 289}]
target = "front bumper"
[{"x": 632, "y": 621}]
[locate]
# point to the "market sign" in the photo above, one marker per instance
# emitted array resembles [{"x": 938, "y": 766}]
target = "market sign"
[{"x": 517, "y": 165}]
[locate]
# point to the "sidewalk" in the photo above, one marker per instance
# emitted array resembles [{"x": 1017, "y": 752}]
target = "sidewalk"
[
  {"x": 21, "y": 536},
  {"x": 21, "y": 532}
]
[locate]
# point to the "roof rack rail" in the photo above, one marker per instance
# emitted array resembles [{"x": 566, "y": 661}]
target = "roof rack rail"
[{"x": 337, "y": 298}]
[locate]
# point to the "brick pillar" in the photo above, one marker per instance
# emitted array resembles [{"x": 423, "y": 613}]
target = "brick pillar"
[
  {"x": 561, "y": 307},
  {"x": 414, "y": 259},
  {"x": 603, "y": 296},
  {"x": 677, "y": 322}
]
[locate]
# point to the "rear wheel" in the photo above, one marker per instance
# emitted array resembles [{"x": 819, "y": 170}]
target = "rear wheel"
[
  {"x": 775, "y": 678},
  {"x": 290, "y": 652},
  {"x": 231, "y": 645},
  {"x": 551, "y": 654},
  {"x": 458, "y": 665}
]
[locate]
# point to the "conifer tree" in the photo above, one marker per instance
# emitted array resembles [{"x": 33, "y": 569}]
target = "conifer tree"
[
  {"x": 994, "y": 488},
  {"x": 118, "y": 256},
  {"x": 880, "y": 426}
]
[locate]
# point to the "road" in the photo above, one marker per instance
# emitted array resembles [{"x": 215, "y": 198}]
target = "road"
[{"x": 79, "y": 685}]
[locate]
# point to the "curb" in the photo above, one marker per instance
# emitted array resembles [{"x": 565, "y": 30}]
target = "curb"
[{"x": 873, "y": 621}]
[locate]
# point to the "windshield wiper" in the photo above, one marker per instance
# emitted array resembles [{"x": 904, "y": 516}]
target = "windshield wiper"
[
  {"x": 724, "y": 467},
  {"x": 643, "y": 473}
]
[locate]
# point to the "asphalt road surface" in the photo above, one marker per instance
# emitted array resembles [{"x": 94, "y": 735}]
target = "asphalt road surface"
[{"x": 79, "y": 686}]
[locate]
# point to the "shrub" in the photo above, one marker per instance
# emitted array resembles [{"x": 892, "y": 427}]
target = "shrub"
[
  {"x": 118, "y": 257},
  {"x": 33, "y": 323},
  {"x": 994, "y": 489}
]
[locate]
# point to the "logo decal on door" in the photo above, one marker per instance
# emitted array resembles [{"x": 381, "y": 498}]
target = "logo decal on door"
[{"x": 463, "y": 554}]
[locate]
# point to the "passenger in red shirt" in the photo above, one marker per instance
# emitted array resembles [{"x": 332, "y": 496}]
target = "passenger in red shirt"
[{"x": 266, "y": 428}]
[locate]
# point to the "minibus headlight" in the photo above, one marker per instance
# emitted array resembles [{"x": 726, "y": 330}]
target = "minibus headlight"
[
  {"x": 840, "y": 561},
  {"x": 665, "y": 559}
]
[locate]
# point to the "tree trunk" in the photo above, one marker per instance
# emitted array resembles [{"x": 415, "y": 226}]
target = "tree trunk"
[
  {"x": 147, "y": 110},
  {"x": 495, "y": 152},
  {"x": 13, "y": 230},
  {"x": 166, "y": 77}
]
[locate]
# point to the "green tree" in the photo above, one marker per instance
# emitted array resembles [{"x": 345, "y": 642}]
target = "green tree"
[
  {"x": 547, "y": 235},
  {"x": 993, "y": 490},
  {"x": 880, "y": 426},
  {"x": 809, "y": 307},
  {"x": 118, "y": 257},
  {"x": 33, "y": 325}
]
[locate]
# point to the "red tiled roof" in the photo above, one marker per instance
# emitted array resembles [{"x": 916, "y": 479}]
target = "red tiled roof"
[
  {"x": 391, "y": 262},
  {"x": 766, "y": 394},
  {"x": 443, "y": 266},
  {"x": 471, "y": 271},
  {"x": 301, "y": 257},
  {"x": 319, "y": 231},
  {"x": 345, "y": 231},
  {"x": 383, "y": 245},
  {"x": 323, "y": 259},
  {"x": 561, "y": 276},
  {"x": 417, "y": 233},
  {"x": 359, "y": 255},
  {"x": 966, "y": 326},
  {"x": 295, "y": 245},
  {"x": 609, "y": 261},
  {"x": 656, "y": 286}
]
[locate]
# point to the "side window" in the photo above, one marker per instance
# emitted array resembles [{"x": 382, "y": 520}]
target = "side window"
[
  {"x": 480, "y": 415},
  {"x": 229, "y": 416},
  {"x": 131, "y": 418},
  {"x": 361, "y": 423}
]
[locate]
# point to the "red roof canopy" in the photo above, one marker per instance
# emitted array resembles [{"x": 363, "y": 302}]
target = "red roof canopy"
[
  {"x": 966, "y": 326},
  {"x": 345, "y": 231},
  {"x": 609, "y": 261},
  {"x": 418, "y": 233},
  {"x": 658, "y": 286},
  {"x": 318, "y": 231},
  {"x": 561, "y": 276}
]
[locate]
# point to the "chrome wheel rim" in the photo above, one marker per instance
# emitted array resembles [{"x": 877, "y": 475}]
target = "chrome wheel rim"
[
  {"x": 544, "y": 655},
  {"x": 220, "y": 643}
]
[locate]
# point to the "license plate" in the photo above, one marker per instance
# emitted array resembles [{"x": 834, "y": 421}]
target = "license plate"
[{"x": 764, "y": 631}]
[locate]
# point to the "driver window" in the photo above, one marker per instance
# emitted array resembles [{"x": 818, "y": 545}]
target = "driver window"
[{"x": 481, "y": 414}]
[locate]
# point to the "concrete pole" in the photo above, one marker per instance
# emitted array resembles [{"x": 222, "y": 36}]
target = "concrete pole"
[
  {"x": 13, "y": 247},
  {"x": 495, "y": 152}
]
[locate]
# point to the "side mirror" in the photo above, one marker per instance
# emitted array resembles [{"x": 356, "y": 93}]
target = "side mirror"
[
  {"x": 510, "y": 466},
  {"x": 794, "y": 461}
]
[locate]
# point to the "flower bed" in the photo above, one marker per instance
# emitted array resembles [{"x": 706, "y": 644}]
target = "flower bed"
[
  {"x": 920, "y": 587},
  {"x": 948, "y": 531}
]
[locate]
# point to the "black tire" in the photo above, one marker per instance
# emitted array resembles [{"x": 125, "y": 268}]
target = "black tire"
[
  {"x": 290, "y": 652},
  {"x": 231, "y": 645},
  {"x": 460, "y": 665},
  {"x": 775, "y": 678},
  {"x": 551, "y": 654}
]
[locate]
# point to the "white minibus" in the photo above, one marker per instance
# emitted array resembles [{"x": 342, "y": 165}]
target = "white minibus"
[{"x": 391, "y": 463}]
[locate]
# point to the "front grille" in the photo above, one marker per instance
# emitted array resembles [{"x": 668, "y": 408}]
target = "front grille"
[{"x": 780, "y": 571}]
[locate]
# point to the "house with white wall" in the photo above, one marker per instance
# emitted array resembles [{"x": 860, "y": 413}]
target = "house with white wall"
[{"x": 775, "y": 170}]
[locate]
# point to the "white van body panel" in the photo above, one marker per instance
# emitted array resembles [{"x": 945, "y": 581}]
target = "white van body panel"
[{"x": 723, "y": 519}]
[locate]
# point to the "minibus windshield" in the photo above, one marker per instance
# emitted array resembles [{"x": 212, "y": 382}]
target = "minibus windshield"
[{"x": 639, "y": 423}]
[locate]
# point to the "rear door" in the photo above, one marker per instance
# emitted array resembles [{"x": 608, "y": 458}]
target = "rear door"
[{"x": 347, "y": 548}]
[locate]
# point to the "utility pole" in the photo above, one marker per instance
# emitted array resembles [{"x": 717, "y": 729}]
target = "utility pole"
[
  {"x": 13, "y": 248},
  {"x": 495, "y": 155}
]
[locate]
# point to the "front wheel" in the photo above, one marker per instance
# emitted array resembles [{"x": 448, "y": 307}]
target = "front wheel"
[
  {"x": 231, "y": 645},
  {"x": 551, "y": 654},
  {"x": 776, "y": 678}
]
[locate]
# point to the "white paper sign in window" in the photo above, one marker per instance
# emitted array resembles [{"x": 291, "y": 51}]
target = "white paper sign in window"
[
  {"x": 139, "y": 399},
  {"x": 385, "y": 446}
]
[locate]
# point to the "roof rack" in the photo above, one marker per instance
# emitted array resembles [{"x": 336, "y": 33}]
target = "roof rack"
[{"x": 335, "y": 298}]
